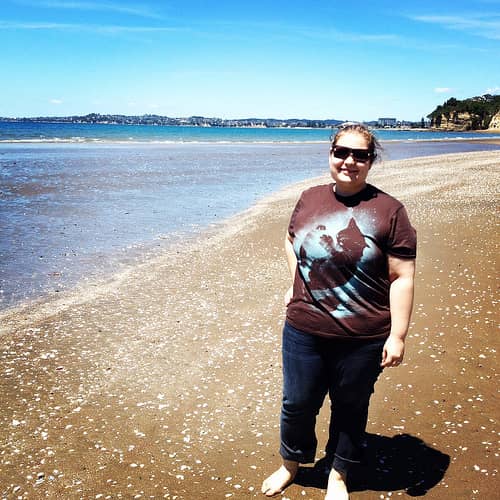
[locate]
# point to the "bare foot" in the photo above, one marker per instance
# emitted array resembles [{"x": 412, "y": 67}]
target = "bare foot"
[
  {"x": 337, "y": 487},
  {"x": 280, "y": 479}
]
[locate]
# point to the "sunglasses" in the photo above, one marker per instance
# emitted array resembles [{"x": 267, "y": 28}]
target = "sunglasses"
[{"x": 343, "y": 153}]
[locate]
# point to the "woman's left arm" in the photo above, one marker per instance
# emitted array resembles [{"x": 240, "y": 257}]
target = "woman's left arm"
[{"x": 401, "y": 275}]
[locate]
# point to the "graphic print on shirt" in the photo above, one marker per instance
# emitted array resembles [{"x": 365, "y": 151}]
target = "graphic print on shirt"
[{"x": 334, "y": 251}]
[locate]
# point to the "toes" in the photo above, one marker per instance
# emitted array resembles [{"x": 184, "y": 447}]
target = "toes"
[{"x": 269, "y": 491}]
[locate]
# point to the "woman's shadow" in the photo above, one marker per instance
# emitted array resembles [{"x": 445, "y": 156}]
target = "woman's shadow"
[{"x": 402, "y": 462}]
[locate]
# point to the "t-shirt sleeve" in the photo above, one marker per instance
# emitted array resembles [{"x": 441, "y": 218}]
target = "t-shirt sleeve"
[
  {"x": 402, "y": 240},
  {"x": 293, "y": 218}
]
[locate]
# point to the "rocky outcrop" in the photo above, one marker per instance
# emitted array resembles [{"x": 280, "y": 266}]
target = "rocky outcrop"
[
  {"x": 495, "y": 122},
  {"x": 462, "y": 121},
  {"x": 455, "y": 121}
]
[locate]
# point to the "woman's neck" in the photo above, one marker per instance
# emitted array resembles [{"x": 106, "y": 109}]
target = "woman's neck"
[{"x": 343, "y": 191}]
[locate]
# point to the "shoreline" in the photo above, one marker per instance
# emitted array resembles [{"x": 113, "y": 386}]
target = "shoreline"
[
  {"x": 45, "y": 306},
  {"x": 103, "y": 142},
  {"x": 215, "y": 230},
  {"x": 141, "y": 386},
  {"x": 65, "y": 260},
  {"x": 149, "y": 255}
]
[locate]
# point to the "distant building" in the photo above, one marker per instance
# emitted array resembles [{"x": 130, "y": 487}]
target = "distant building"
[{"x": 387, "y": 122}]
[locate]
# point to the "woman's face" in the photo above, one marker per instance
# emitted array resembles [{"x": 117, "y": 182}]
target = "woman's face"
[{"x": 350, "y": 173}]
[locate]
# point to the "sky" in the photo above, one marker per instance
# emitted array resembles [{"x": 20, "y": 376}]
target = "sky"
[{"x": 320, "y": 59}]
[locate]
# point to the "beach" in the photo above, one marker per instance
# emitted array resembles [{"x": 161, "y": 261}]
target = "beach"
[
  {"x": 165, "y": 381},
  {"x": 74, "y": 213}
]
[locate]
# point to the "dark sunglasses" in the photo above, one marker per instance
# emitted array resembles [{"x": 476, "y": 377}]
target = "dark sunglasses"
[{"x": 343, "y": 153}]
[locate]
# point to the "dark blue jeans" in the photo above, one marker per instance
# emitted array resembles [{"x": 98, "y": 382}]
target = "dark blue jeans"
[{"x": 312, "y": 367}]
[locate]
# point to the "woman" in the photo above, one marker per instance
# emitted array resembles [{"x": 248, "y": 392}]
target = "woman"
[{"x": 351, "y": 252}]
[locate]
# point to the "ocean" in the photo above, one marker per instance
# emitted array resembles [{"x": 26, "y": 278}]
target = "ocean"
[
  {"x": 25, "y": 132},
  {"x": 80, "y": 202}
]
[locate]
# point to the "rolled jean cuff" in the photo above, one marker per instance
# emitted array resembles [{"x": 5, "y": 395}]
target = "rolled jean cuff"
[
  {"x": 343, "y": 465},
  {"x": 294, "y": 456}
]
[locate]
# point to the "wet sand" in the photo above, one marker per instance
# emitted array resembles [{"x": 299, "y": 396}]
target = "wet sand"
[{"x": 165, "y": 383}]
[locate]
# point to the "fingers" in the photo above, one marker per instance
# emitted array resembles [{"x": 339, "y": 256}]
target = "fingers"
[
  {"x": 389, "y": 360},
  {"x": 391, "y": 363},
  {"x": 392, "y": 353}
]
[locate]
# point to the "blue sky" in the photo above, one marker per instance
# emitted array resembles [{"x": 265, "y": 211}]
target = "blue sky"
[{"x": 237, "y": 59}]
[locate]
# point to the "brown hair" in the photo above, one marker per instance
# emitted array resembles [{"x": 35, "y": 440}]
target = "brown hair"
[{"x": 373, "y": 144}]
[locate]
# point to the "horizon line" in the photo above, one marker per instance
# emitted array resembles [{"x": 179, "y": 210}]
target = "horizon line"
[{"x": 201, "y": 117}]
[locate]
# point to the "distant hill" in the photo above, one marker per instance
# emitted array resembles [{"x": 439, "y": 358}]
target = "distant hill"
[
  {"x": 475, "y": 113},
  {"x": 195, "y": 121}
]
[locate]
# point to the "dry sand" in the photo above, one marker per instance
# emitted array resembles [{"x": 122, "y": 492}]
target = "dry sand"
[{"x": 166, "y": 382}]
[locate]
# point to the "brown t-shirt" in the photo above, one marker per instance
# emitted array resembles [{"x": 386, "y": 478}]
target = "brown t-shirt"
[{"x": 341, "y": 287}]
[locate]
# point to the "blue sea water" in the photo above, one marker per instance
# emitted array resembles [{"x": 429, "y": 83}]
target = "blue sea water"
[
  {"x": 105, "y": 133},
  {"x": 80, "y": 202}
]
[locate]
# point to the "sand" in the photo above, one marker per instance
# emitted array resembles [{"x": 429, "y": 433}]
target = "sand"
[{"x": 166, "y": 381}]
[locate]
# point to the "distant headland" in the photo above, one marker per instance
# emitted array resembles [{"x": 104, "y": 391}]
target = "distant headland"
[
  {"x": 191, "y": 121},
  {"x": 475, "y": 113},
  {"x": 202, "y": 121}
]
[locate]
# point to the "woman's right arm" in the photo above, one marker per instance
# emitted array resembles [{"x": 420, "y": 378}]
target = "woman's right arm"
[{"x": 292, "y": 265}]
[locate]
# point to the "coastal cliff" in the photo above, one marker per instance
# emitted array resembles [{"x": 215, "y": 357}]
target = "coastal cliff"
[
  {"x": 455, "y": 121},
  {"x": 476, "y": 113},
  {"x": 495, "y": 122},
  {"x": 464, "y": 121}
]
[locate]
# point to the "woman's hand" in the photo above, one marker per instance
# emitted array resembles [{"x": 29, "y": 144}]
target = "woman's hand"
[
  {"x": 394, "y": 349},
  {"x": 288, "y": 295},
  {"x": 401, "y": 275}
]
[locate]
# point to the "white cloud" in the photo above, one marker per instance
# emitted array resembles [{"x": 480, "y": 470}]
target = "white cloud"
[
  {"x": 56, "y": 101},
  {"x": 482, "y": 25},
  {"x": 94, "y": 28},
  {"x": 133, "y": 9},
  {"x": 492, "y": 90},
  {"x": 443, "y": 90},
  {"x": 333, "y": 34}
]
